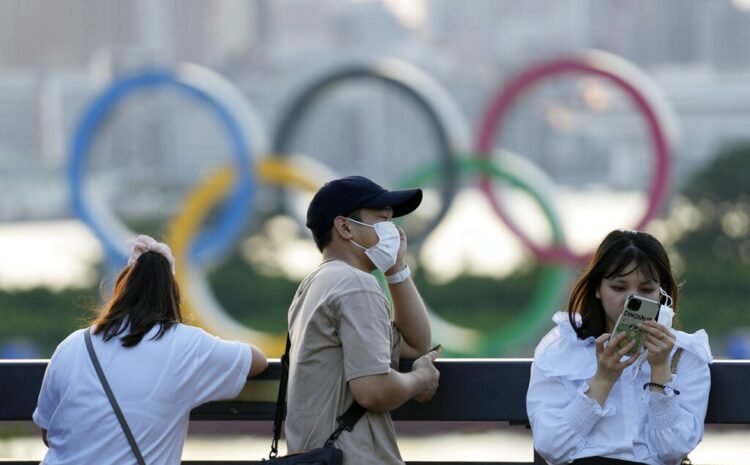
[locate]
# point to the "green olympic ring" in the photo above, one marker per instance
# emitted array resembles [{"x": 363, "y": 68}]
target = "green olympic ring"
[{"x": 554, "y": 276}]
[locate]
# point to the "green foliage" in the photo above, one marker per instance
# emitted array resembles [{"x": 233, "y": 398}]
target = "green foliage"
[
  {"x": 261, "y": 302},
  {"x": 713, "y": 248},
  {"x": 253, "y": 299},
  {"x": 726, "y": 179},
  {"x": 480, "y": 303},
  {"x": 716, "y": 251},
  {"x": 43, "y": 316}
]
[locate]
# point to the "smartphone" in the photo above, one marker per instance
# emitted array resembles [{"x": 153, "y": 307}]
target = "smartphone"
[{"x": 636, "y": 310}]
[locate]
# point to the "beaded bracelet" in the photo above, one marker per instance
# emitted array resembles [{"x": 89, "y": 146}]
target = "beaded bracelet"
[{"x": 664, "y": 387}]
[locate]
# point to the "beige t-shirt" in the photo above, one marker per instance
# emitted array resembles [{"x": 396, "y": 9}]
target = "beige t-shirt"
[{"x": 341, "y": 329}]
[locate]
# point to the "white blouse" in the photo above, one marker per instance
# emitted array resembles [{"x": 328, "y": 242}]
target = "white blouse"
[{"x": 634, "y": 424}]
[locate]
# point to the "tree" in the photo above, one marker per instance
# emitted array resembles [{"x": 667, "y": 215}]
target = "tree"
[{"x": 715, "y": 248}]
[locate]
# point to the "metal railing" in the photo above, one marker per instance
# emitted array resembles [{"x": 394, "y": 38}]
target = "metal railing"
[{"x": 476, "y": 390}]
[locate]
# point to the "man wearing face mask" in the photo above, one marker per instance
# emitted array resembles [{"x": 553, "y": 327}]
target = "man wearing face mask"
[{"x": 345, "y": 339}]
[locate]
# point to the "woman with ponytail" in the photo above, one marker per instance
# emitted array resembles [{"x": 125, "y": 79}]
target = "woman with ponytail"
[{"x": 157, "y": 367}]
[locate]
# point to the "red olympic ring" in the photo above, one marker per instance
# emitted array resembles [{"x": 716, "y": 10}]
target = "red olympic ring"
[{"x": 599, "y": 64}]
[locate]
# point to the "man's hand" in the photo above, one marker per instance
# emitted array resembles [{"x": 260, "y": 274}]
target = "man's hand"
[
  {"x": 401, "y": 253},
  {"x": 429, "y": 376}
]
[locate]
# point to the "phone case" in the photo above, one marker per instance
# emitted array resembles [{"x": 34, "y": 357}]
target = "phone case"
[{"x": 636, "y": 310}]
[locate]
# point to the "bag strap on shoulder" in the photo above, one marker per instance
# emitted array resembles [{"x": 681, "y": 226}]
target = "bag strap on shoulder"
[
  {"x": 346, "y": 421},
  {"x": 111, "y": 397},
  {"x": 673, "y": 369},
  {"x": 675, "y": 360},
  {"x": 280, "y": 401}
]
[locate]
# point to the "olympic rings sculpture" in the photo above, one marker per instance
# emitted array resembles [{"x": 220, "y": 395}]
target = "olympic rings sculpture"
[{"x": 234, "y": 187}]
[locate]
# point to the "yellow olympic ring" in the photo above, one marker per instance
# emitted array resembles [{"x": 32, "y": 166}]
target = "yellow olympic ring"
[{"x": 198, "y": 301}]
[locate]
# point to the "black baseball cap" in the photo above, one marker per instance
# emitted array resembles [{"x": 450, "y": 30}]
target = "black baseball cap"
[{"x": 342, "y": 196}]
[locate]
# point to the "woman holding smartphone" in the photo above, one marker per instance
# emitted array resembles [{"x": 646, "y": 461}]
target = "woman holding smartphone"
[{"x": 588, "y": 401}]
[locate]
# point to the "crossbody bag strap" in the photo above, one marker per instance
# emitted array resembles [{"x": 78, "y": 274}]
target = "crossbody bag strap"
[
  {"x": 112, "y": 400},
  {"x": 346, "y": 421},
  {"x": 280, "y": 401},
  {"x": 673, "y": 369},
  {"x": 675, "y": 360}
]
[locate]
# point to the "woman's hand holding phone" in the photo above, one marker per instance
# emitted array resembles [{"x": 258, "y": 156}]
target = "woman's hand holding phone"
[
  {"x": 610, "y": 357},
  {"x": 610, "y": 365},
  {"x": 636, "y": 310},
  {"x": 659, "y": 342}
]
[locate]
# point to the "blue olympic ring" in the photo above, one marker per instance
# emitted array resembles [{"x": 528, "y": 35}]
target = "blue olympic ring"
[{"x": 232, "y": 217}]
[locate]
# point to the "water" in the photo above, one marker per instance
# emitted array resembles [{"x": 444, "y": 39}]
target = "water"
[
  {"x": 470, "y": 239},
  {"x": 721, "y": 445}
]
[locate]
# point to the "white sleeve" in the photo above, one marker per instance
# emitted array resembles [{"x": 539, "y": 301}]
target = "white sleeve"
[
  {"x": 220, "y": 368},
  {"x": 49, "y": 399},
  {"x": 49, "y": 395},
  {"x": 675, "y": 422},
  {"x": 560, "y": 421}
]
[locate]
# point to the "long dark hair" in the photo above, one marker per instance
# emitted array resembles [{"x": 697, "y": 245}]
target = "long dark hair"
[
  {"x": 617, "y": 251},
  {"x": 145, "y": 294}
]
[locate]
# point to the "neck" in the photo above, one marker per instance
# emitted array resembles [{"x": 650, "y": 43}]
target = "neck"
[{"x": 347, "y": 255}]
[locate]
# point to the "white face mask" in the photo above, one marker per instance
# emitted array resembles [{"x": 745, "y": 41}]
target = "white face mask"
[
  {"x": 666, "y": 314},
  {"x": 385, "y": 253}
]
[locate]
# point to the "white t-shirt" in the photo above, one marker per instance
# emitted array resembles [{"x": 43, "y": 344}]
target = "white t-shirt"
[{"x": 156, "y": 383}]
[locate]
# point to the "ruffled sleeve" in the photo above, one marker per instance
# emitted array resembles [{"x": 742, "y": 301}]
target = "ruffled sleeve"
[
  {"x": 696, "y": 344},
  {"x": 560, "y": 413},
  {"x": 562, "y": 354},
  {"x": 675, "y": 422}
]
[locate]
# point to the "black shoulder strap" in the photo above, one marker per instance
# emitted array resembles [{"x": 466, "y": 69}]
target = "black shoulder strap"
[
  {"x": 345, "y": 421},
  {"x": 280, "y": 401},
  {"x": 112, "y": 400}
]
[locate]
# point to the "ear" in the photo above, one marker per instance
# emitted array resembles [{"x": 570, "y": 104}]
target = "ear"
[
  {"x": 342, "y": 228},
  {"x": 598, "y": 295}
]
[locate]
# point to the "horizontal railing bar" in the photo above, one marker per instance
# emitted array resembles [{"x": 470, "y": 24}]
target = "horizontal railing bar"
[{"x": 470, "y": 390}]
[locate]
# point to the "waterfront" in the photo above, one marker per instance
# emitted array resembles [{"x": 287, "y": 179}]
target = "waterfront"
[{"x": 721, "y": 445}]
